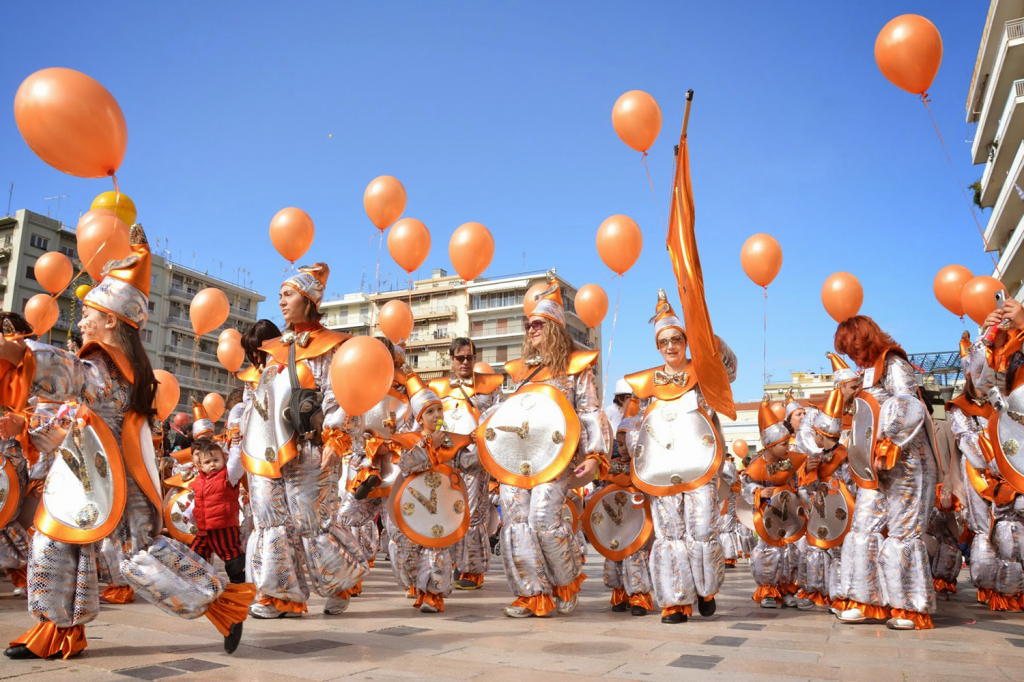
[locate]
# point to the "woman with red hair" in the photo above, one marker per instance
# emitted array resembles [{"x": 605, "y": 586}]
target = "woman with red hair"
[{"x": 888, "y": 576}]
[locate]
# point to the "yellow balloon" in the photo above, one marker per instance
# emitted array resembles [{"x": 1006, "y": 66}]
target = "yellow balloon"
[
  {"x": 82, "y": 291},
  {"x": 120, "y": 204}
]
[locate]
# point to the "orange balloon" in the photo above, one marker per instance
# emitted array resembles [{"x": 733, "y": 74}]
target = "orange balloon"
[
  {"x": 231, "y": 354},
  {"x": 384, "y": 201},
  {"x": 529, "y": 300},
  {"x": 949, "y": 285},
  {"x": 761, "y": 258},
  {"x": 779, "y": 409},
  {"x": 637, "y": 119},
  {"x": 979, "y": 297},
  {"x": 619, "y": 242},
  {"x": 41, "y": 312},
  {"x": 102, "y": 237},
  {"x": 229, "y": 334},
  {"x": 908, "y": 51},
  {"x": 361, "y": 374},
  {"x": 209, "y": 310},
  {"x": 409, "y": 243},
  {"x": 167, "y": 393},
  {"x": 591, "y": 304},
  {"x": 471, "y": 249},
  {"x": 482, "y": 368},
  {"x": 213, "y": 403},
  {"x": 396, "y": 321},
  {"x": 291, "y": 233},
  {"x": 842, "y": 296},
  {"x": 54, "y": 271},
  {"x": 740, "y": 447},
  {"x": 71, "y": 122}
]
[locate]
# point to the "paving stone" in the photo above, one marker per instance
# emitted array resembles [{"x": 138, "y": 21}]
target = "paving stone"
[
  {"x": 194, "y": 665},
  {"x": 747, "y": 626},
  {"x": 696, "y": 662},
  {"x": 308, "y": 646},
  {"x": 151, "y": 672},
  {"x": 399, "y": 631},
  {"x": 726, "y": 641}
]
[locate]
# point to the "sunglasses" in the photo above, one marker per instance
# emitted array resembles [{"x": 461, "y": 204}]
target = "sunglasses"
[
  {"x": 536, "y": 325},
  {"x": 671, "y": 341},
  {"x": 462, "y": 358}
]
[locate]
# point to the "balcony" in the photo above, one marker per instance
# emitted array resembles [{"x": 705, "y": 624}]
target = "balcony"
[
  {"x": 1009, "y": 208},
  {"x": 186, "y": 354},
  {"x": 179, "y": 294},
  {"x": 435, "y": 313},
  {"x": 429, "y": 340},
  {"x": 493, "y": 330},
  {"x": 1011, "y": 59},
  {"x": 1011, "y": 127},
  {"x": 187, "y": 383}
]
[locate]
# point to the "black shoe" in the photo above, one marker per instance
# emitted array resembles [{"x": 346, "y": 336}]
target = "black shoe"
[
  {"x": 18, "y": 652},
  {"x": 235, "y": 568},
  {"x": 233, "y": 638},
  {"x": 674, "y": 618},
  {"x": 638, "y": 611},
  {"x": 730, "y": 565},
  {"x": 366, "y": 487},
  {"x": 620, "y": 607},
  {"x": 706, "y": 608}
]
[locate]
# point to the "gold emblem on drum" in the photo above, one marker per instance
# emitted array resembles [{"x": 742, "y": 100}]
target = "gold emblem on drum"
[
  {"x": 437, "y": 530},
  {"x": 408, "y": 508},
  {"x": 489, "y": 434},
  {"x": 707, "y": 439},
  {"x": 638, "y": 451},
  {"x": 3, "y": 496},
  {"x": 676, "y": 479},
  {"x": 841, "y": 514},
  {"x": 101, "y": 464},
  {"x": 458, "y": 506},
  {"x": 528, "y": 402},
  {"x": 557, "y": 438},
  {"x": 432, "y": 479},
  {"x": 192, "y": 530},
  {"x": 823, "y": 532},
  {"x": 614, "y": 544},
  {"x": 597, "y": 518},
  {"x": 87, "y": 516},
  {"x": 868, "y": 433},
  {"x": 525, "y": 469},
  {"x": 270, "y": 454},
  {"x": 176, "y": 518},
  {"x": 1010, "y": 447}
]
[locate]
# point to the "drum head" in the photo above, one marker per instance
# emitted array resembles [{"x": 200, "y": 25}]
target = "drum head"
[
  {"x": 677, "y": 450},
  {"x": 618, "y": 521}
]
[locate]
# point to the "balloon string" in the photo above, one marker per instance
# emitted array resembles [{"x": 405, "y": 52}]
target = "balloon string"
[
  {"x": 195, "y": 368},
  {"x": 657, "y": 205},
  {"x": 970, "y": 206},
  {"x": 764, "y": 341},
  {"x": 376, "y": 274},
  {"x": 611, "y": 340}
]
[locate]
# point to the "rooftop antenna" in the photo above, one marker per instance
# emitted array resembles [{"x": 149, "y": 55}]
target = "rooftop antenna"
[
  {"x": 58, "y": 198},
  {"x": 10, "y": 197}
]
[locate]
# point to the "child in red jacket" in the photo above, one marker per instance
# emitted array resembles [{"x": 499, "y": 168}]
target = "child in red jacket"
[{"x": 215, "y": 509}]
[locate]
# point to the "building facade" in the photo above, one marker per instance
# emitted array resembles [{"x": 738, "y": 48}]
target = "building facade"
[
  {"x": 488, "y": 310},
  {"x": 167, "y": 336},
  {"x": 995, "y": 103}
]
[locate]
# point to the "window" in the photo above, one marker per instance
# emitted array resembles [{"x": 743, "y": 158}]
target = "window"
[
  {"x": 147, "y": 335},
  {"x": 152, "y": 306},
  {"x": 503, "y": 326},
  {"x": 30, "y": 272},
  {"x": 39, "y": 242},
  {"x": 68, "y": 251},
  {"x": 478, "y": 327},
  {"x": 501, "y": 354}
]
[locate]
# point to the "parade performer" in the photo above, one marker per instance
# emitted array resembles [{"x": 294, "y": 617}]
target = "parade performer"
[
  {"x": 466, "y": 395},
  {"x": 14, "y": 538},
  {"x": 769, "y": 488},
  {"x": 942, "y": 534},
  {"x": 729, "y": 533},
  {"x": 628, "y": 574},
  {"x": 293, "y": 465},
  {"x": 104, "y": 480},
  {"x": 887, "y": 576},
  {"x": 555, "y": 391},
  {"x": 429, "y": 506},
  {"x": 677, "y": 448},
  {"x": 993, "y": 508}
]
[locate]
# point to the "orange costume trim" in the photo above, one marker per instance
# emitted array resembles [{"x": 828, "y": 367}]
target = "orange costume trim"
[
  {"x": 119, "y": 594},
  {"x": 944, "y": 586},
  {"x": 477, "y": 578},
  {"x": 869, "y": 610},
  {"x": 619, "y": 596},
  {"x": 232, "y": 606},
  {"x": 541, "y": 605},
  {"x": 435, "y": 600},
  {"x": 567, "y": 592},
  {"x": 46, "y": 639},
  {"x": 922, "y": 621},
  {"x": 765, "y": 591},
  {"x": 643, "y": 384},
  {"x": 1000, "y": 602},
  {"x": 815, "y": 597},
  {"x": 685, "y": 609},
  {"x": 643, "y": 600},
  {"x": 284, "y": 604},
  {"x": 356, "y": 589},
  {"x": 18, "y": 576},
  {"x": 578, "y": 361}
]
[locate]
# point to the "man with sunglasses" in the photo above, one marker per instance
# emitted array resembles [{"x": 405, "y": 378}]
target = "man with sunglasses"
[{"x": 472, "y": 393}]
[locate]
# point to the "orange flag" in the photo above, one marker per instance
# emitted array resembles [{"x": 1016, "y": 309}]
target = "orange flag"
[{"x": 682, "y": 248}]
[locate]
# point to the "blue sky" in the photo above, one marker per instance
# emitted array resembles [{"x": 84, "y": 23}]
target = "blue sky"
[{"x": 501, "y": 113}]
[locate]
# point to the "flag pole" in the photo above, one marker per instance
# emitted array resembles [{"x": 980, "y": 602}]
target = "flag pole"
[{"x": 686, "y": 113}]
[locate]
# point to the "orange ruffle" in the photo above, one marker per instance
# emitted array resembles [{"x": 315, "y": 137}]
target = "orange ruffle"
[
  {"x": 684, "y": 609},
  {"x": 541, "y": 605},
  {"x": 1000, "y": 602},
  {"x": 815, "y": 597},
  {"x": 789, "y": 588},
  {"x": 232, "y": 606},
  {"x": 922, "y": 621},
  {"x": 765, "y": 591},
  {"x": 46, "y": 639},
  {"x": 619, "y": 596},
  {"x": 944, "y": 586},
  {"x": 435, "y": 600},
  {"x": 369, "y": 563},
  {"x": 411, "y": 592},
  {"x": 35, "y": 488},
  {"x": 284, "y": 604},
  {"x": 362, "y": 475},
  {"x": 566, "y": 592},
  {"x": 477, "y": 578},
  {"x": 643, "y": 600},
  {"x": 18, "y": 576},
  {"x": 869, "y": 610},
  {"x": 119, "y": 594},
  {"x": 730, "y": 562},
  {"x": 351, "y": 592}
]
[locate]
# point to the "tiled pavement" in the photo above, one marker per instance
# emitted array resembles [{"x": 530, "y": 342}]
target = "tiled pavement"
[{"x": 381, "y": 637}]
